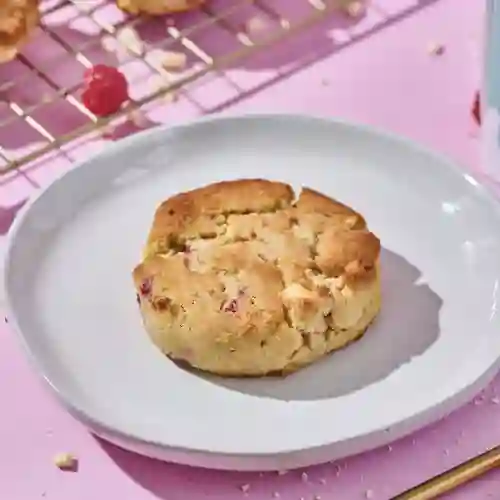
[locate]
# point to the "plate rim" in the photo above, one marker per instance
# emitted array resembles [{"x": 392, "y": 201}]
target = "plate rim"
[{"x": 447, "y": 402}]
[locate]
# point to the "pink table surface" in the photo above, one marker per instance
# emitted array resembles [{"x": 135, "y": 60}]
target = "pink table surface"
[{"x": 384, "y": 77}]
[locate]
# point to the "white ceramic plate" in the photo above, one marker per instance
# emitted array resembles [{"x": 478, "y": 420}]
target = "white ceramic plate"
[{"x": 436, "y": 344}]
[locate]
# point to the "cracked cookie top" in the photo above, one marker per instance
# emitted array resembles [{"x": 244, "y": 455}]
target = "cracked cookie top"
[{"x": 245, "y": 255}]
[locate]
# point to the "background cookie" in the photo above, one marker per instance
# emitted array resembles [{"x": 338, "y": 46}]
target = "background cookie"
[
  {"x": 18, "y": 18},
  {"x": 158, "y": 7}
]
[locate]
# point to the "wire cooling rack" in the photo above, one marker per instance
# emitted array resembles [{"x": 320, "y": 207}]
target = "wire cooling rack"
[
  {"x": 40, "y": 108},
  {"x": 41, "y": 113}
]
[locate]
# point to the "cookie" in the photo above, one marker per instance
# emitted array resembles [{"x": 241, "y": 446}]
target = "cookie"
[
  {"x": 18, "y": 18},
  {"x": 158, "y": 7},
  {"x": 240, "y": 279}
]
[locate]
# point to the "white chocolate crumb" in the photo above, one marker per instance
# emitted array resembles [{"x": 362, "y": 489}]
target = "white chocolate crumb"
[
  {"x": 337, "y": 472},
  {"x": 322, "y": 481},
  {"x": 495, "y": 400},
  {"x": 282, "y": 472},
  {"x": 173, "y": 60},
  {"x": 276, "y": 495},
  {"x": 245, "y": 488},
  {"x": 129, "y": 38},
  {"x": 317, "y": 497},
  {"x": 65, "y": 461},
  {"x": 435, "y": 49},
  {"x": 369, "y": 494},
  {"x": 255, "y": 26},
  {"x": 157, "y": 82},
  {"x": 389, "y": 448},
  {"x": 305, "y": 477},
  {"x": 354, "y": 9},
  {"x": 153, "y": 58}
]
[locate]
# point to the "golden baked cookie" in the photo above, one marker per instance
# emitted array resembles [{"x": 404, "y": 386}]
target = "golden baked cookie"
[
  {"x": 18, "y": 18},
  {"x": 158, "y": 7},
  {"x": 239, "y": 279}
]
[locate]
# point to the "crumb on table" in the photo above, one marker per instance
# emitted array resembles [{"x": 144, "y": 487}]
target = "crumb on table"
[{"x": 66, "y": 461}]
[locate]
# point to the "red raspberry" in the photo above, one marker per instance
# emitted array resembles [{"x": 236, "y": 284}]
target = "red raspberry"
[
  {"x": 146, "y": 287},
  {"x": 106, "y": 89},
  {"x": 476, "y": 109}
]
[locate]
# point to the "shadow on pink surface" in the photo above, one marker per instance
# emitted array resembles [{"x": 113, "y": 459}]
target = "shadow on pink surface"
[
  {"x": 173, "y": 482},
  {"x": 386, "y": 471},
  {"x": 7, "y": 216},
  {"x": 167, "y": 481},
  {"x": 51, "y": 67},
  {"x": 392, "y": 341}
]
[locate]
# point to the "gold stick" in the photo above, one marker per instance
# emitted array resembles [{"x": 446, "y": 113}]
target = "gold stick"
[{"x": 453, "y": 478}]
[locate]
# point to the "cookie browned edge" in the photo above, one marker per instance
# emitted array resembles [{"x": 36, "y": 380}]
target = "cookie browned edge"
[{"x": 355, "y": 249}]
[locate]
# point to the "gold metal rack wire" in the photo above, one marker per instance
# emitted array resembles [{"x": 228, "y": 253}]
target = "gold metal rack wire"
[
  {"x": 41, "y": 112},
  {"x": 182, "y": 36}
]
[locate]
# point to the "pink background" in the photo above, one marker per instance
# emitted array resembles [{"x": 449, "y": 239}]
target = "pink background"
[{"x": 379, "y": 72}]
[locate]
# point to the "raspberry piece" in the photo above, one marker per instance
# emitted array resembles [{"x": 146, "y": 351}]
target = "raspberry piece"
[
  {"x": 146, "y": 287},
  {"x": 230, "y": 306},
  {"x": 476, "y": 109},
  {"x": 106, "y": 89}
]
